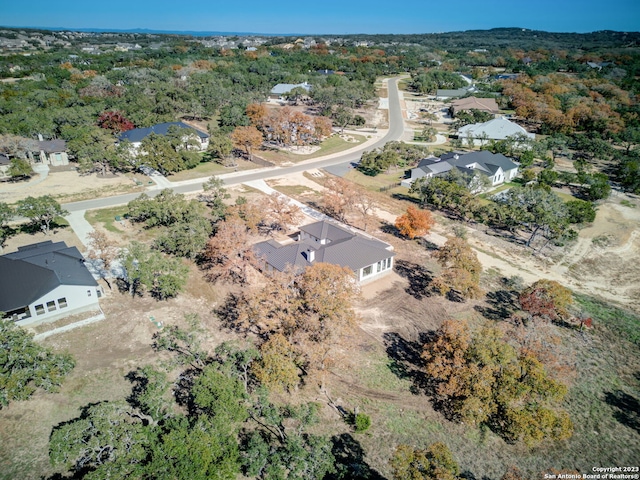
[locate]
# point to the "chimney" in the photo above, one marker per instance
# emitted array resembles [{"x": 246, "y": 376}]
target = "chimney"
[{"x": 311, "y": 255}]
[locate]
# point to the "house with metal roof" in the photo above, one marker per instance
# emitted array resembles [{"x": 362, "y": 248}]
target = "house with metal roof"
[
  {"x": 495, "y": 166},
  {"x": 329, "y": 242},
  {"x": 280, "y": 90},
  {"x": 499, "y": 128},
  {"x": 44, "y": 282},
  {"x": 136, "y": 135}
]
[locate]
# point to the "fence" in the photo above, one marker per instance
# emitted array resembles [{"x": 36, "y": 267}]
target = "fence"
[{"x": 389, "y": 186}]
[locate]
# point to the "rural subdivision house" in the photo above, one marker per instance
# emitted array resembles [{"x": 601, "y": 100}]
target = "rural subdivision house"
[
  {"x": 280, "y": 90},
  {"x": 44, "y": 282},
  {"x": 136, "y": 135},
  {"x": 329, "y": 242},
  {"x": 495, "y": 166},
  {"x": 488, "y": 105},
  {"x": 499, "y": 128},
  {"x": 50, "y": 152}
]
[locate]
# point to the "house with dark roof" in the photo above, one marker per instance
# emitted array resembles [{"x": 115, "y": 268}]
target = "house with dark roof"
[
  {"x": 49, "y": 152},
  {"x": 444, "y": 94},
  {"x": 495, "y": 166},
  {"x": 136, "y": 135},
  {"x": 329, "y": 242},
  {"x": 44, "y": 282}
]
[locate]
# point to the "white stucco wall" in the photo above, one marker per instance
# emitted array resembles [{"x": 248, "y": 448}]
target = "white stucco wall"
[
  {"x": 376, "y": 274},
  {"x": 79, "y": 299}
]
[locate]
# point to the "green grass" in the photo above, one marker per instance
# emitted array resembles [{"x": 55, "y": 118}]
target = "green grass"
[
  {"x": 106, "y": 216},
  {"x": 623, "y": 322},
  {"x": 333, "y": 144},
  {"x": 627, "y": 203},
  {"x": 375, "y": 183},
  {"x": 207, "y": 169},
  {"x": 378, "y": 374}
]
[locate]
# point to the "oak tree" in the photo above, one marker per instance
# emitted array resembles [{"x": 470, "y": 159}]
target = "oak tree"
[{"x": 414, "y": 223}]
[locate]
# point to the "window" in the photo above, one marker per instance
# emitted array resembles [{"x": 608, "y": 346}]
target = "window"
[
  {"x": 379, "y": 267},
  {"x": 39, "y": 309},
  {"x": 51, "y": 306},
  {"x": 389, "y": 262},
  {"x": 88, "y": 293},
  {"x": 366, "y": 271},
  {"x": 62, "y": 302}
]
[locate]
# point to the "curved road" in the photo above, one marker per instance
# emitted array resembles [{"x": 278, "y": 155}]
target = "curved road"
[{"x": 396, "y": 129}]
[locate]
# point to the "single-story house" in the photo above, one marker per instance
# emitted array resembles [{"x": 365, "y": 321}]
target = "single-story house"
[
  {"x": 136, "y": 135},
  {"x": 280, "y": 90},
  {"x": 443, "y": 94},
  {"x": 46, "y": 281},
  {"x": 328, "y": 242},
  {"x": 495, "y": 166},
  {"x": 497, "y": 129},
  {"x": 472, "y": 103},
  {"x": 50, "y": 152}
]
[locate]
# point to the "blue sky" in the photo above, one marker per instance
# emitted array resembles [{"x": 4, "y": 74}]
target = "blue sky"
[{"x": 325, "y": 16}]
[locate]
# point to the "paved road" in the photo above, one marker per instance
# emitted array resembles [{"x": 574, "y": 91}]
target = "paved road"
[{"x": 396, "y": 129}]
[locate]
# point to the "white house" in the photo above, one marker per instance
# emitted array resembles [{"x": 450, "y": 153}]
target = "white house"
[
  {"x": 136, "y": 135},
  {"x": 44, "y": 282},
  {"x": 329, "y": 242},
  {"x": 495, "y": 166},
  {"x": 497, "y": 129}
]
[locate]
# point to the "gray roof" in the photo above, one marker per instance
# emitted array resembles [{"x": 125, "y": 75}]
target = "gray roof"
[
  {"x": 4, "y": 160},
  {"x": 434, "y": 166},
  {"x": 344, "y": 248},
  {"x": 487, "y": 161},
  {"x": 137, "y": 134},
  {"x": 282, "y": 88},
  {"x": 52, "y": 146},
  {"x": 35, "y": 270}
]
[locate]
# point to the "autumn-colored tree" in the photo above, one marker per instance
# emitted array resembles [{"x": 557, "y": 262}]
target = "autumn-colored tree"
[
  {"x": 115, "y": 121},
  {"x": 323, "y": 127},
  {"x": 258, "y": 115},
  {"x": 366, "y": 207},
  {"x": 436, "y": 462},
  {"x": 339, "y": 198},
  {"x": 103, "y": 249},
  {"x": 276, "y": 369},
  {"x": 547, "y": 299},
  {"x": 228, "y": 254},
  {"x": 247, "y": 139},
  {"x": 281, "y": 212},
  {"x": 312, "y": 310},
  {"x": 414, "y": 223},
  {"x": 481, "y": 379},
  {"x": 461, "y": 269},
  {"x": 251, "y": 213}
]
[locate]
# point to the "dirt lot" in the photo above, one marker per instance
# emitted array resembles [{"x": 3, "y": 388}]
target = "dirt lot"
[{"x": 67, "y": 186}]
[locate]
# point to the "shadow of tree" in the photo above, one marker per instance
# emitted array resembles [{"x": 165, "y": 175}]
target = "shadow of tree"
[
  {"x": 389, "y": 228},
  {"x": 502, "y": 304},
  {"x": 406, "y": 357},
  {"x": 418, "y": 276},
  {"x": 350, "y": 461},
  {"x": 627, "y": 408}
]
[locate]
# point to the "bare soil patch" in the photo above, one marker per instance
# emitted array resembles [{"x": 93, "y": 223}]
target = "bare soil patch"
[{"x": 67, "y": 186}]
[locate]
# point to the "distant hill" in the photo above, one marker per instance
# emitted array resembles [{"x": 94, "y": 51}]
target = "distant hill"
[{"x": 160, "y": 32}]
